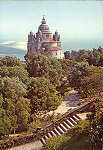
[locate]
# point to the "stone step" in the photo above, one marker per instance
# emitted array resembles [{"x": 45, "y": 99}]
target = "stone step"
[
  {"x": 53, "y": 133},
  {"x": 77, "y": 117},
  {"x": 60, "y": 130},
  {"x": 72, "y": 121},
  {"x": 49, "y": 135},
  {"x": 57, "y": 132},
  {"x": 63, "y": 127},
  {"x": 46, "y": 137},
  {"x": 74, "y": 118},
  {"x": 42, "y": 140},
  {"x": 69, "y": 122},
  {"x": 66, "y": 125}
]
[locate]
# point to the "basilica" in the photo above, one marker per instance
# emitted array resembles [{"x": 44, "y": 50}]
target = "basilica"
[{"x": 44, "y": 42}]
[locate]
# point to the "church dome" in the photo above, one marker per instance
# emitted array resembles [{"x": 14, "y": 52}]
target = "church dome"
[{"x": 44, "y": 27}]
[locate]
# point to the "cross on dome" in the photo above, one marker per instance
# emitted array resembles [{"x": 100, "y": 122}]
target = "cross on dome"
[{"x": 43, "y": 20}]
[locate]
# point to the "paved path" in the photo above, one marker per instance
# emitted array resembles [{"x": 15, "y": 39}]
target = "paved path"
[
  {"x": 30, "y": 146},
  {"x": 69, "y": 102}
]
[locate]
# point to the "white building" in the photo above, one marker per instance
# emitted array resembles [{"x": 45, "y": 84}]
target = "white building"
[{"x": 44, "y": 42}]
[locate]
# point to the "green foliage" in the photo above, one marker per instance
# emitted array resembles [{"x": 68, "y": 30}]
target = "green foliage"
[
  {"x": 13, "y": 88},
  {"x": 92, "y": 84},
  {"x": 65, "y": 88},
  {"x": 79, "y": 56},
  {"x": 88, "y": 80},
  {"x": 77, "y": 138},
  {"x": 67, "y": 55},
  {"x": 66, "y": 66},
  {"x": 55, "y": 143},
  {"x": 17, "y": 105},
  {"x": 77, "y": 73},
  {"x": 57, "y": 117},
  {"x": 93, "y": 57},
  {"x": 35, "y": 125},
  {"x": 43, "y": 95},
  {"x": 20, "y": 72},
  {"x": 15, "y": 108},
  {"x": 82, "y": 128},
  {"x": 77, "y": 143},
  {"x": 23, "y": 113},
  {"x": 4, "y": 71},
  {"x": 39, "y": 65},
  {"x": 10, "y": 61},
  {"x": 17, "y": 70},
  {"x": 96, "y": 127},
  {"x": 5, "y": 125}
]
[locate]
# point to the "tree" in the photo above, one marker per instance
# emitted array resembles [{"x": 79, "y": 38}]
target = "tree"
[
  {"x": 43, "y": 95},
  {"x": 39, "y": 65},
  {"x": 23, "y": 113},
  {"x": 13, "y": 88},
  {"x": 67, "y": 54},
  {"x": 5, "y": 124},
  {"x": 66, "y": 66},
  {"x": 10, "y": 111},
  {"x": 20, "y": 72},
  {"x": 15, "y": 105},
  {"x": 96, "y": 127},
  {"x": 91, "y": 84},
  {"x": 10, "y": 61},
  {"x": 4, "y": 71},
  {"x": 77, "y": 73},
  {"x": 13, "y": 67},
  {"x": 81, "y": 55}
]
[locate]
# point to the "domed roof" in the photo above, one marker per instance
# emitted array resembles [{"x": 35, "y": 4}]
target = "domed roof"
[{"x": 44, "y": 27}]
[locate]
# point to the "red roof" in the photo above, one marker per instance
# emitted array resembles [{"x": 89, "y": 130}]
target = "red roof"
[{"x": 53, "y": 48}]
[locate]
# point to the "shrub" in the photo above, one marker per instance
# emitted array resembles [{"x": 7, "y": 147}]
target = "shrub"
[{"x": 55, "y": 143}]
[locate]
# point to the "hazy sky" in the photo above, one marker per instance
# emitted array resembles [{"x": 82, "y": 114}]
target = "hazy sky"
[{"x": 74, "y": 20}]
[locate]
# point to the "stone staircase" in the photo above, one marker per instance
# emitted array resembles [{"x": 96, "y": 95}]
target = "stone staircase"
[
  {"x": 62, "y": 128},
  {"x": 67, "y": 121}
]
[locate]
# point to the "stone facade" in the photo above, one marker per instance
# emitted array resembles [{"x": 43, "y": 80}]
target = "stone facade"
[{"x": 44, "y": 42}]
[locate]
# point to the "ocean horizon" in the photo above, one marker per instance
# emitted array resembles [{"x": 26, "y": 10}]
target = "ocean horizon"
[{"x": 11, "y": 48}]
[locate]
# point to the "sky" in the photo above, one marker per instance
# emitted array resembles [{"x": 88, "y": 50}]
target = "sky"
[{"x": 80, "y": 23}]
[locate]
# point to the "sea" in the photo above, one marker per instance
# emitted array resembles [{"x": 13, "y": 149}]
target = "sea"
[{"x": 67, "y": 45}]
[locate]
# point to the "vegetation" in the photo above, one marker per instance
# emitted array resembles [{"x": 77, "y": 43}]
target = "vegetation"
[
  {"x": 25, "y": 89},
  {"x": 93, "y": 57},
  {"x": 87, "y": 134},
  {"x": 56, "y": 143},
  {"x": 39, "y": 85},
  {"x": 43, "y": 94},
  {"x": 77, "y": 138},
  {"x": 88, "y": 80},
  {"x": 39, "y": 65},
  {"x": 96, "y": 126}
]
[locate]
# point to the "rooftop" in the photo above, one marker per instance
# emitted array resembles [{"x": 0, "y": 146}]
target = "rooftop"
[{"x": 54, "y": 48}]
